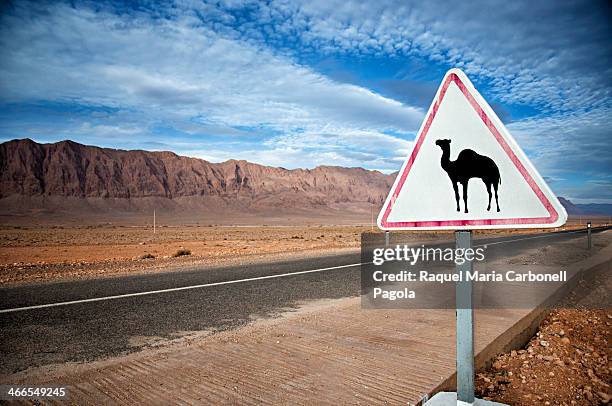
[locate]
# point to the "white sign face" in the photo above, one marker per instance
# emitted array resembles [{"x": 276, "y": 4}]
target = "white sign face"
[{"x": 467, "y": 172}]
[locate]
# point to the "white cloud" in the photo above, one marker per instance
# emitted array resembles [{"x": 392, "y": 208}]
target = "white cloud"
[
  {"x": 573, "y": 150},
  {"x": 176, "y": 71},
  {"x": 552, "y": 54},
  {"x": 562, "y": 143}
]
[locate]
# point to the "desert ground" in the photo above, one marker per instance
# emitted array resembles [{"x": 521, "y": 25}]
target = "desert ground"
[
  {"x": 30, "y": 254},
  {"x": 336, "y": 352},
  {"x": 34, "y": 254}
]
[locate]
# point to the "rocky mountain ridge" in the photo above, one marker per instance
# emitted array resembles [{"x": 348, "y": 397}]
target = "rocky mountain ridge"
[
  {"x": 70, "y": 179},
  {"x": 69, "y": 170}
]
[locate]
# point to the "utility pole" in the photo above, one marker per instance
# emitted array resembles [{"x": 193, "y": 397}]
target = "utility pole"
[{"x": 372, "y": 217}]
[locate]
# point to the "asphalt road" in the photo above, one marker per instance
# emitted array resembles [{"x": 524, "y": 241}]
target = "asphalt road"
[{"x": 85, "y": 331}]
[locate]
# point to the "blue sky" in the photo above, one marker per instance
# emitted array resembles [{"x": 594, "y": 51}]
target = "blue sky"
[{"x": 307, "y": 83}]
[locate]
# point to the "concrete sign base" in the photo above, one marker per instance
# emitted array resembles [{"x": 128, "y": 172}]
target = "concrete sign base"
[{"x": 450, "y": 398}]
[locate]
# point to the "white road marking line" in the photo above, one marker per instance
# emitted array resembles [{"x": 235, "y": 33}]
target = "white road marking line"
[
  {"x": 152, "y": 292},
  {"x": 205, "y": 285},
  {"x": 527, "y": 238}
]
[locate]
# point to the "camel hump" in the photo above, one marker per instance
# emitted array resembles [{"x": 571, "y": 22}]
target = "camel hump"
[
  {"x": 468, "y": 154},
  {"x": 476, "y": 164}
]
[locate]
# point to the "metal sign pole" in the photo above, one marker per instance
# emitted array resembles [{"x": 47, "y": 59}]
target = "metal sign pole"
[{"x": 465, "y": 324}]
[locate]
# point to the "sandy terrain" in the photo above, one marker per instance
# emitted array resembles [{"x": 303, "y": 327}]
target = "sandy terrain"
[{"x": 30, "y": 254}]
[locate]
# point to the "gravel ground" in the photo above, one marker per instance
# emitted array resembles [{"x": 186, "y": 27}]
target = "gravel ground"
[{"x": 567, "y": 362}]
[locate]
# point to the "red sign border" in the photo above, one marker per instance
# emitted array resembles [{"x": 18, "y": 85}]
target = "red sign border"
[{"x": 454, "y": 78}]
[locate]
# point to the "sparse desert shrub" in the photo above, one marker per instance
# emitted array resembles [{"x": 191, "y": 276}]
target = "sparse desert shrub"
[
  {"x": 181, "y": 252},
  {"x": 147, "y": 256}
]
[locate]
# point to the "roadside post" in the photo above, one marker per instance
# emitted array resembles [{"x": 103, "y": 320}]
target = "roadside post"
[
  {"x": 460, "y": 124},
  {"x": 589, "y": 234}
]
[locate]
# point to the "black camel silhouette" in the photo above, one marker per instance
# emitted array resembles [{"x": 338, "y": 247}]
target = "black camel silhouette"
[{"x": 469, "y": 165}]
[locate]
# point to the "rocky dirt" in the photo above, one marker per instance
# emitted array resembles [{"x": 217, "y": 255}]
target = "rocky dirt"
[{"x": 567, "y": 362}]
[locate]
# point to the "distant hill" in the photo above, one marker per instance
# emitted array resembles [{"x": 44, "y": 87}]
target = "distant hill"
[
  {"x": 596, "y": 209},
  {"x": 570, "y": 207},
  {"x": 591, "y": 209},
  {"x": 75, "y": 180}
]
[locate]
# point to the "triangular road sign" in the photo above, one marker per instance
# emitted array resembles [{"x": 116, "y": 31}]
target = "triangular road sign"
[{"x": 462, "y": 146}]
